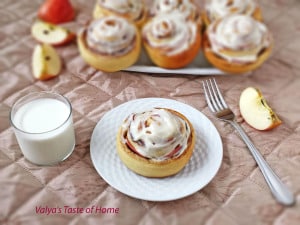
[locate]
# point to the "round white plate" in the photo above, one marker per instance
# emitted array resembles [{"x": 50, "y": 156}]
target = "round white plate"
[{"x": 199, "y": 171}]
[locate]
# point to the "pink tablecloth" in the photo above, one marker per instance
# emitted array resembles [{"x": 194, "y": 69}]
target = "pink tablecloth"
[{"x": 238, "y": 193}]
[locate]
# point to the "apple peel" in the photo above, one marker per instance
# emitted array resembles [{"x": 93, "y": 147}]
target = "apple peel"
[{"x": 255, "y": 110}]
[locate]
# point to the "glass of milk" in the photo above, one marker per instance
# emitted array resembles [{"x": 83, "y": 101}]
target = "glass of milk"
[{"x": 43, "y": 126}]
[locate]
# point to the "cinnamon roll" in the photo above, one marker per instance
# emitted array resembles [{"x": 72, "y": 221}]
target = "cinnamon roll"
[
  {"x": 237, "y": 43},
  {"x": 187, "y": 8},
  {"x": 171, "y": 41},
  {"x": 215, "y": 9},
  {"x": 156, "y": 143},
  {"x": 110, "y": 43},
  {"x": 132, "y": 10}
]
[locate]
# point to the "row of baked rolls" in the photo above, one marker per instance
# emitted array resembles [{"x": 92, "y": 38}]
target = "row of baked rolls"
[
  {"x": 156, "y": 143},
  {"x": 171, "y": 35},
  {"x": 138, "y": 13},
  {"x": 237, "y": 43}
]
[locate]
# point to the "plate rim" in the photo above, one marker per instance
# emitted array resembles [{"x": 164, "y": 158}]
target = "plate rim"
[{"x": 134, "y": 101}]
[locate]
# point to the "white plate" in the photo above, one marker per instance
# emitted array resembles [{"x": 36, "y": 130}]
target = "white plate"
[
  {"x": 199, "y": 67},
  {"x": 199, "y": 171}
]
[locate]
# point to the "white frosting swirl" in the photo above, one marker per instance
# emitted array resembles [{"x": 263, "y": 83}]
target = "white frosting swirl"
[
  {"x": 170, "y": 32},
  {"x": 156, "y": 134},
  {"x": 187, "y": 8},
  {"x": 221, "y": 8},
  {"x": 133, "y": 8},
  {"x": 238, "y": 38},
  {"x": 111, "y": 35}
]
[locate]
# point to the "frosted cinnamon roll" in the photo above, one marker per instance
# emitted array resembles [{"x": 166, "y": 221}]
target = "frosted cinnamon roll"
[
  {"x": 171, "y": 41},
  {"x": 132, "y": 10},
  {"x": 110, "y": 43},
  {"x": 156, "y": 143},
  {"x": 215, "y": 9},
  {"x": 237, "y": 43},
  {"x": 186, "y": 7}
]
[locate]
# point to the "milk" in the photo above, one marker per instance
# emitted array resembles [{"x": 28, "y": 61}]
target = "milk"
[{"x": 44, "y": 130}]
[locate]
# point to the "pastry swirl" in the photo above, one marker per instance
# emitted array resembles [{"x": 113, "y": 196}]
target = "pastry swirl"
[
  {"x": 239, "y": 38},
  {"x": 216, "y": 9},
  {"x": 130, "y": 9},
  {"x": 237, "y": 43},
  {"x": 170, "y": 40},
  {"x": 156, "y": 134},
  {"x": 111, "y": 35},
  {"x": 156, "y": 143},
  {"x": 110, "y": 43},
  {"x": 186, "y": 7}
]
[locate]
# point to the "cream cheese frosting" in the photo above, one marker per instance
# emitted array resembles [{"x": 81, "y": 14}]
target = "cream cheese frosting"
[
  {"x": 111, "y": 35},
  {"x": 170, "y": 32},
  {"x": 220, "y": 8},
  {"x": 133, "y": 8},
  {"x": 238, "y": 38},
  {"x": 186, "y": 7},
  {"x": 156, "y": 134}
]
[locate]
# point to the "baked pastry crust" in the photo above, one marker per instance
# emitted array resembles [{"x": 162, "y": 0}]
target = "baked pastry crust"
[
  {"x": 249, "y": 7},
  {"x": 188, "y": 9},
  {"x": 257, "y": 14},
  {"x": 151, "y": 168},
  {"x": 234, "y": 65},
  {"x": 158, "y": 46},
  {"x": 231, "y": 67},
  {"x": 137, "y": 15},
  {"x": 109, "y": 62}
]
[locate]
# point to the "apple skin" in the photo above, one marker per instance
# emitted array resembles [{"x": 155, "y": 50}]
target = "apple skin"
[
  {"x": 255, "y": 110},
  {"x": 52, "y": 34},
  {"x": 46, "y": 63},
  {"x": 56, "y": 11}
]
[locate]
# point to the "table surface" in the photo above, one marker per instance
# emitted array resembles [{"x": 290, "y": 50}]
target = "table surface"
[{"x": 238, "y": 193}]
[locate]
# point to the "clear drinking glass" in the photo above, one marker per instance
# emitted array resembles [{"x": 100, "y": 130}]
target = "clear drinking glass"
[{"x": 43, "y": 126}]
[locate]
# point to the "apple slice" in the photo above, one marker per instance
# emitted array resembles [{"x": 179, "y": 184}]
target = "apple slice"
[
  {"x": 46, "y": 63},
  {"x": 51, "y": 34},
  {"x": 255, "y": 110}
]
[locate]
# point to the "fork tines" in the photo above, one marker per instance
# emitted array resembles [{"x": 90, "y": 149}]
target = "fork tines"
[{"x": 213, "y": 96}]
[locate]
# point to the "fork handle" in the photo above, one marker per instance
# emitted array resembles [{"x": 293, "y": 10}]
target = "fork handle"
[{"x": 279, "y": 190}]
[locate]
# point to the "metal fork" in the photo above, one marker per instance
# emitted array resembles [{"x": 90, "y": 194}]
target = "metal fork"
[{"x": 219, "y": 108}]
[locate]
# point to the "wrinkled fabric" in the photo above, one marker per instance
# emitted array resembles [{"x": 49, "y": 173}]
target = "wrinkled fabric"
[{"x": 238, "y": 193}]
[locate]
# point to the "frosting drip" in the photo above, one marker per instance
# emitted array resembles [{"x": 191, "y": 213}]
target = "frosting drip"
[
  {"x": 185, "y": 7},
  {"x": 238, "y": 38},
  {"x": 129, "y": 7},
  {"x": 170, "y": 32},
  {"x": 156, "y": 134},
  {"x": 111, "y": 35},
  {"x": 221, "y": 8}
]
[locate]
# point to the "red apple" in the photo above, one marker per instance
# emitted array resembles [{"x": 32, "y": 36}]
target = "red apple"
[{"x": 56, "y": 11}]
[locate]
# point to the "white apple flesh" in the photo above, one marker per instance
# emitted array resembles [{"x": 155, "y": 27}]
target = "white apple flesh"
[
  {"x": 51, "y": 34},
  {"x": 255, "y": 110},
  {"x": 38, "y": 62},
  {"x": 46, "y": 63}
]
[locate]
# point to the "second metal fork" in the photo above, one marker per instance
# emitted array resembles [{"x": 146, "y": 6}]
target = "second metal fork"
[{"x": 219, "y": 108}]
